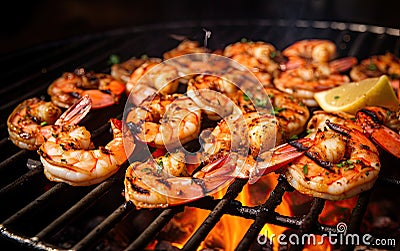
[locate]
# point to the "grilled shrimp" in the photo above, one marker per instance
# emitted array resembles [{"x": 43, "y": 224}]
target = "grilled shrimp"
[
  {"x": 341, "y": 163},
  {"x": 378, "y": 65},
  {"x": 310, "y": 50},
  {"x": 379, "y": 124},
  {"x": 150, "y": 78},
  {"x": 123, "y": 71},
  {"x": 247, "y": 137},
  {"x": 290, "y": 112},
  {"x": 103, "y": 89},
  {"x": 165, "y": 121},
  {"x": 302, "y": 82},
  {"x": 69, "y": 156},
  {"x": 147, "y": 185},
  {"x": 258, "y": 57},
  {"x": 382, "y": 126},
  {"x": 29, "y": 122},
  {"x": 185, "y": 47},
  {"x": 213, "y": 94}
]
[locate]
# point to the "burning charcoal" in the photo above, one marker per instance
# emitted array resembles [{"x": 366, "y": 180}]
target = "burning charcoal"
[
  {"x": 180, "y": 227},
  {"x": 165, "y": 246}
]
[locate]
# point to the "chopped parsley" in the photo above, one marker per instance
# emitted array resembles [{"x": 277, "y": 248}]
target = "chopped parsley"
[
  {"x": 246, "y": 97},
  {"x": 336, "y": 97},
  {"x": 372, "y": 67},
  {"x": 347, "y": 164},
  {"x": 43, "y": 123},
  {"x": 113, "y": 59},
  {"x": 278, "y": 110},
  {"x": 260, "y": 102},
  {"x": 160, "y": 166},
  {"x": 305, "y": 169}
]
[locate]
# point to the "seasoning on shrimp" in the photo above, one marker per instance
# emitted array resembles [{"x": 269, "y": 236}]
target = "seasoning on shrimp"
[
  {"x": 103, "y": 89},
  {"x": 30, "y": 121},
  {"x": 69, "y": 156},
  {"x": 165, "y": 121}
]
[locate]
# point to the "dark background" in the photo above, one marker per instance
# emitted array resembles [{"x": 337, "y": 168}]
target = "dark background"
[{"x": 30, "y": 23}]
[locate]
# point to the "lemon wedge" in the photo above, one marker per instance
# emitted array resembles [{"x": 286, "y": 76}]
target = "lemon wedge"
[{"x": 352, "y": 96}]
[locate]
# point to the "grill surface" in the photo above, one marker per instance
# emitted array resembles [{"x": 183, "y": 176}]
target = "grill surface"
[{"x": 42, "y": 215}]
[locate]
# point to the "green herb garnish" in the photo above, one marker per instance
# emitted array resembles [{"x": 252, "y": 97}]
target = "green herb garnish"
[
  {"x": 160, "y": 166},
  {"x": 246, "y": 97},
  {"x": 278, "y": 110},
  {"x": 305, "y": 169},
  {"x": 113, "y": 59},
  {"x": 372, "y": 67},
  {"x": 261, "y": 103}
]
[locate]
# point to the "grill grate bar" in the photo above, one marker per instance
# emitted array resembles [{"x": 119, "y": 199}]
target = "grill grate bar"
[
  {"x": 268, "y": 207},
  {"x": 13, "y": 158},
  {"x": 356, "y": 217},
  {"x": 95, "y": 47},
  {"x": 22, "y": 179},
  {"x": 310, "y": 221},
  {"x": 37, "y": 203},
  {"x": 77, "y": 208},
  {"x": 236, "y": 209},
  {"x": 233, "y": 190},
  {"x": 388, "y": 181},
  {"x": 155, "y": 227},
  {"x": 103, "y": 227},
  {"x": 61, "y": 50}
]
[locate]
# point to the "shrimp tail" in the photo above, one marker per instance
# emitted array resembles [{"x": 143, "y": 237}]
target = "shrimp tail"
[
  {"x": 149, "y": 187},
  {"x": 387, "y": 139},
  {"x": 342, "y": 64},
  {"x": 372, "y": 120},
  {"x": 279, "y": 157},
  {"x": 75, "y": 113},
  {"x": 215, "y": 168},
  {"x": 121, "y": 147}
]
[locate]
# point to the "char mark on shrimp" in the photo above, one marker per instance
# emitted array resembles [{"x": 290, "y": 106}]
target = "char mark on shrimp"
[
  {"x": 139, "y": 189},
  {"x": 299, "y": 146},
  {"x": 372, "y": 115},
  {"x": 337, "y": 128},
  {"x": 325, "y": 164}
]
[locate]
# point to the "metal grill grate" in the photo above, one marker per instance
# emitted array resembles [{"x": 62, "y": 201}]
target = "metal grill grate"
[{"x": 38, "y": 214}]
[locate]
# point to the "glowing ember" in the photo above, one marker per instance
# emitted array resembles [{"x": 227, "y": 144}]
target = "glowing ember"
[{"x": 229, "y": 231}]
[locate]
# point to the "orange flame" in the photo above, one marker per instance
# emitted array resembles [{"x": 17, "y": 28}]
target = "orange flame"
[{"x": 228, "y": 232}]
